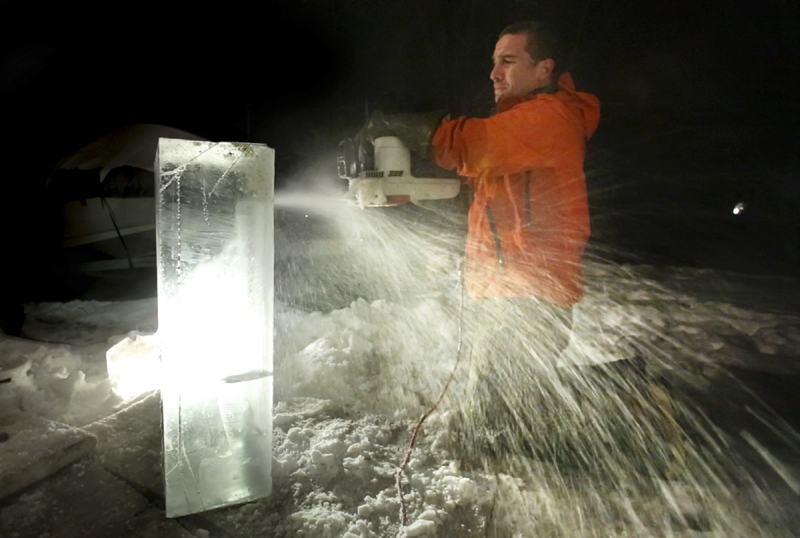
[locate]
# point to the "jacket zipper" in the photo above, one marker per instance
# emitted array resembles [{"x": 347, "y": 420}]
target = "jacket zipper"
[{"x": 498, "y": 249}]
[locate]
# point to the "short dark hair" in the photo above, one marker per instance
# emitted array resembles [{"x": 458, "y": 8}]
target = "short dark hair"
[{"x": 543, "y": 42}]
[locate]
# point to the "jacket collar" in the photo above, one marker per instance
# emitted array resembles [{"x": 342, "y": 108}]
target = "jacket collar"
[
  {"x": 550, "y": 88},
  {"x": 564, "y": 82},
  {"x": 585, "y": 105}
]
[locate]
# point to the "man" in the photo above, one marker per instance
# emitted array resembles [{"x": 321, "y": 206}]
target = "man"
[
  {"x": 528, "y": 222},
  {"x": 528, "y": 227}
]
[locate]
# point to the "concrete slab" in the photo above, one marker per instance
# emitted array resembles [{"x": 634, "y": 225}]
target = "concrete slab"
[
  {"x": 153, "y": 523},
  {"x": 129, "y": 443},
  {"x": 83, "y": 500},
  {"x": 33, "y": 450}
]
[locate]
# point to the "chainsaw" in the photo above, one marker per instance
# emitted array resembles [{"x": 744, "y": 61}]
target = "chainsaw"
[{"x": 386, "y": 180}]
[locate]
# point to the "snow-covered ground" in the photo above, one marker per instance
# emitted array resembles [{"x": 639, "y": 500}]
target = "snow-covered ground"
[{"x": 351, "y": 384}]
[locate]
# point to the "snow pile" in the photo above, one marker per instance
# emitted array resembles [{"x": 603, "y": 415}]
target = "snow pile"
[
  {"x": 54, "y": 381},
  {"x": 625, "y": 314},
  {"x": 378, "y": 357},
  {"x": 58, "y": 371},
  {"x": 333, "y": 476},
  {"x": 351, "y": 383}
]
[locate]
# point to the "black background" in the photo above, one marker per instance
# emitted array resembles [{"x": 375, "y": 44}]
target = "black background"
[{"x": 699, "y": 101}]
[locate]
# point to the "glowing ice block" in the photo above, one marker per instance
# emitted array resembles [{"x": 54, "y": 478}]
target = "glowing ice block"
[{"x": 214, "y": 206}]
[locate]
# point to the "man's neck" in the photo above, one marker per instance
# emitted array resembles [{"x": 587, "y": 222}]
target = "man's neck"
[{"x": 550, "y": 87}]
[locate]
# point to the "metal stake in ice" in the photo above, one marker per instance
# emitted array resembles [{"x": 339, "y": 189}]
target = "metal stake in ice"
[{"x": 215, "y": 314}]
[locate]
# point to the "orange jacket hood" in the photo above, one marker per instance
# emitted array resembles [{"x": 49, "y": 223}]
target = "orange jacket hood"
[
  {"x": 585, "y": 104},
  {"x": 582, "y": 104}
]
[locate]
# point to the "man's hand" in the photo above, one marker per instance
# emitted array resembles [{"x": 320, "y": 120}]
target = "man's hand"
[{"x": 378, "y": 125}]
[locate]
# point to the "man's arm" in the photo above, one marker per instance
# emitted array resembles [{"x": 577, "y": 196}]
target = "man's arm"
[{"x": 531, "y": 135}]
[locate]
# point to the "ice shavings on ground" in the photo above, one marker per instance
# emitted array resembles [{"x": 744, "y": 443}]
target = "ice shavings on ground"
[
  {"x": 624, "y": 314},
  {"x": 350, "y": 384},
  {"x": 58, "y": 370},
  {"x": 335, "y": 457},
  {"x": 54, "y": 381},
  {"x": 381, "y": 357},
  {"x": 334, "y": 474}
]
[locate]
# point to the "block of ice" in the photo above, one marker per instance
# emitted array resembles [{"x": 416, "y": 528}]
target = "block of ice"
[
  {"x": 214, "y": 222},
  {"x": 133, "y": 364}
]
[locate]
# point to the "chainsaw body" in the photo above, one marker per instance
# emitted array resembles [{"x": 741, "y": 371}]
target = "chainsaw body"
[{"x": 387, "y": 180}]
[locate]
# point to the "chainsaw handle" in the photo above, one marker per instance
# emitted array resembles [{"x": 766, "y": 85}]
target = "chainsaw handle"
[{"x": 347, "y": 163}]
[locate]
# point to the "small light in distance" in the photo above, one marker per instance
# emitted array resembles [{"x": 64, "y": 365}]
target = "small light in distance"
[{"x": 738, "y": 208}]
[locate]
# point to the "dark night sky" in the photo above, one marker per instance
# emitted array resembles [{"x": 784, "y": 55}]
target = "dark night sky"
[{"x": 699, "y": 98}]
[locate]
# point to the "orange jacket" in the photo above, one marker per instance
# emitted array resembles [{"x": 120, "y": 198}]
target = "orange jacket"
[{"x": 529, "y": 219}]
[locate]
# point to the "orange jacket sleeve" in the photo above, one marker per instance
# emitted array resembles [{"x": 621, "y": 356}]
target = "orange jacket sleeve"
[{"x": 536, "y": 134}]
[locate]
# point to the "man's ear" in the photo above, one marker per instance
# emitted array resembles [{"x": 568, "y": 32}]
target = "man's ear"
[{"x": 545, "y": 67}]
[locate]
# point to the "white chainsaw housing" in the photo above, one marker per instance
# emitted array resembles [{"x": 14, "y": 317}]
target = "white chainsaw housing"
[{"x": 391, "y": 183}]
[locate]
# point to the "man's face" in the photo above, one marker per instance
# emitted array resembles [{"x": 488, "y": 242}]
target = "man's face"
[{"x": 515, "y": 73}]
